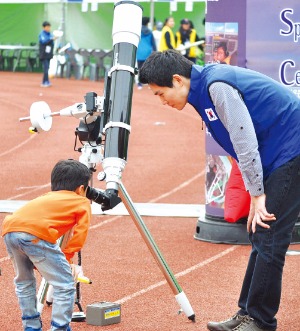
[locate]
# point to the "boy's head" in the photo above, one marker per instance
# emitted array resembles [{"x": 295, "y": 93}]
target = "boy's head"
[
  {"x": 168, "y": 74},
  {"x": 69, "y": 175}
]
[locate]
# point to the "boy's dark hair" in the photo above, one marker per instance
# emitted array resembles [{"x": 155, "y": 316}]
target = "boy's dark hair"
[
  {"x": 68, "y": 175},
  {"x": 160, "y": 67},
  {"x": 46, "y": 23}
]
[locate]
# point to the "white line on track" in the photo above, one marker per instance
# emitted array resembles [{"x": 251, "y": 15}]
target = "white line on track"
[
  {"x": 28, "y": 187},
  {"x": 179, "y": 187},
  {"x": 180, "y": 274},
  {"x": 6, "y": 258},
  {"x": 18, "y": 146},
  {"x": 36, "y": 188}
]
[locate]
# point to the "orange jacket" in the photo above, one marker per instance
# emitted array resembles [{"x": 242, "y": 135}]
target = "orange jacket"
[{"x": 50, "y": 216}]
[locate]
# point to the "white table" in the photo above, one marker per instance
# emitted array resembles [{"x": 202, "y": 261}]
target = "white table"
[{"x": 15, "y": 48}]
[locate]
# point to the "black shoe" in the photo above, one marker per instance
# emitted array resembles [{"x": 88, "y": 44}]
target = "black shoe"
[
  {"x": 248, "y": 324},
  {"x": 227, "y": 325}
]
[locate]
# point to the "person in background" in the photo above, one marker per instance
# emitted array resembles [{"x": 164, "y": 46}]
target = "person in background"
[
  {"x": 185, "y": 36},
  {"x": 257, "y": 121},
  {"x": 222, "y": 54},
  {"x": 31, "y": 233},
  {"x": 46, "y": 44},
  {"x": 157, "y": 33},
  {"x": 146, "y": 45},
  {"x": 167, "y": 40}
]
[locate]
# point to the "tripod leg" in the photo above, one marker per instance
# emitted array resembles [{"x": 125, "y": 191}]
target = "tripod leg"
[
  {"x": 41, "y": 296},
  {"x": 78, "y": 316},
  {"x": 145, "y": 233}
]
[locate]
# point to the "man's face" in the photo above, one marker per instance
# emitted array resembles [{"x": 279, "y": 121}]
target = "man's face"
[
  {"x": 176, "y": 96},
  {"x": 47, "y": 28}
]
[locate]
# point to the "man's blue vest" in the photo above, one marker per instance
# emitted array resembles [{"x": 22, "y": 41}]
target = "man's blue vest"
[{"x": 274, "y": 110}]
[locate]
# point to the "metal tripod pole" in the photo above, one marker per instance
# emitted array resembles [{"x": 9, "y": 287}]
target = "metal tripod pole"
[{"x": 146, "y": 235}]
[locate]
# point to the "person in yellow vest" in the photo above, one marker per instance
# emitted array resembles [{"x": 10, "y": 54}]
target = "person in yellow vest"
[
  {"x": 167, "y": 40},
  {"x": 187, "y": 35}
]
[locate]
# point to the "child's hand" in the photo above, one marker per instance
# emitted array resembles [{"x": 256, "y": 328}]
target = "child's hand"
[{"x": 76, "y": 271}]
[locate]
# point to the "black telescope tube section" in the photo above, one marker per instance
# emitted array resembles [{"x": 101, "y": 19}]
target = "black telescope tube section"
[{"x": 120, "y": 100}]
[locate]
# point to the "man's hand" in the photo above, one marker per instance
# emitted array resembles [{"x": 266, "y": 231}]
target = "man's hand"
[{"x": 258, "y": 213}]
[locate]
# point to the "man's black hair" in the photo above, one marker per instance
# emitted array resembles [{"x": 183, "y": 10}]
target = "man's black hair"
[
  {"x": 160, "y": 67},
  {"x": 46, "y": 23},
  {"x": 145, "y": 20},
  {"x": 68, "y": 175}
]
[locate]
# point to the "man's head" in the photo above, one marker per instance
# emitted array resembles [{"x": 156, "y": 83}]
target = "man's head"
[
  {"x": 70, "y": 175},
  {"x": 168, "y": 74},
  {"x": 46, "y": 26},
  {"x": 145, "y": 20}
]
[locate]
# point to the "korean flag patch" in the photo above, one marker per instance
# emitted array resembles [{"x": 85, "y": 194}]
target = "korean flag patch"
[{"x": 211, "y": 114}]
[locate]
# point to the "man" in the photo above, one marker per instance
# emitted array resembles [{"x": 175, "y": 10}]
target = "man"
[
  {"x": 146, "y": 45},
  {"x": 257, "y": 121},
  {"x": 46, "y": 45}
]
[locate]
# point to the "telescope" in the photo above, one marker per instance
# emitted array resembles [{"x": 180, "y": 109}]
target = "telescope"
[{"x": 104, "y": 129}]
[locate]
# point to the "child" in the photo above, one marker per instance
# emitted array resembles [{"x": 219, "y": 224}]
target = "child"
[{"x": 30, "y": 235}]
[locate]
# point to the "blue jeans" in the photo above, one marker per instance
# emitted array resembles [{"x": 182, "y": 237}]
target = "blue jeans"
[
  {"x": 46, "y": 65},
  {"x": 27, "y": 252},
  {"x": 261, "y": 290}
]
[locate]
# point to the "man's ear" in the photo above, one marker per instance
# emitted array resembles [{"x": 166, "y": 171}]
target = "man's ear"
[{"x": 177, "y": 79}]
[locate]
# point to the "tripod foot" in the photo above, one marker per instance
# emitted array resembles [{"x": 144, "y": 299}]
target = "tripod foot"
[{"x": 78, "y": 317}]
